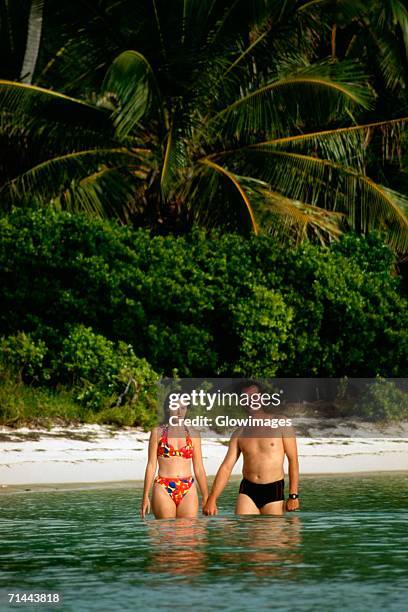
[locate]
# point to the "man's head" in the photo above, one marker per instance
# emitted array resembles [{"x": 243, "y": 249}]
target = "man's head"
[{"x": 253, "y": 390}]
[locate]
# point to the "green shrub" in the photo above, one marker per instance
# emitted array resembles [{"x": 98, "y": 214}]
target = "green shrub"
[
  {"x": 103, "y": 372},
  {"x": 383, "y": 401},
  {"x": 347, "y": 320},
  {"x": 370, "y": 252},
  {"x": 22, "y": 358},
  {"x": 261, "y": 332}
]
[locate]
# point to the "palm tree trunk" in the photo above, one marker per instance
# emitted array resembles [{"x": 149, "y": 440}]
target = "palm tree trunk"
[{"x": 35, "y": 23}]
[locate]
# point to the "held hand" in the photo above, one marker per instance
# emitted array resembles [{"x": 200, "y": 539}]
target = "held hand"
[
  {"x": 145, "y": 507},
  {"x": 292, "y": 505},
  {"x": 210, "y": 508}
]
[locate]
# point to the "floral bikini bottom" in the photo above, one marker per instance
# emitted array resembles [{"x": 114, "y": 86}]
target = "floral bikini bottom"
[{"x": 177, "y": 488}]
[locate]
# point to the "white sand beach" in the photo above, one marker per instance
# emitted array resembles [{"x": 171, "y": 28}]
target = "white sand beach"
[{"x": 101, "y": 454}]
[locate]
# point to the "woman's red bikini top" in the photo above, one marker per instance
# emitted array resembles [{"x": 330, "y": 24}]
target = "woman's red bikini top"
[{"x": 164, "y": 449}]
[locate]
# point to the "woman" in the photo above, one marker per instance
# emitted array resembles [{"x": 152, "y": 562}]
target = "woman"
[{"x": 174, "y": 489}]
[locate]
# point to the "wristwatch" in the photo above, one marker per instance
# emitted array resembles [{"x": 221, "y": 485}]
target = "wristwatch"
[{"x": 293, "y": 496}]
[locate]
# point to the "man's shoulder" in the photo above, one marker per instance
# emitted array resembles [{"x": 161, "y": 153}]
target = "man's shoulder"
[
  {"x": 237, "y": 433},
  {"x": 284, "y": 425}
]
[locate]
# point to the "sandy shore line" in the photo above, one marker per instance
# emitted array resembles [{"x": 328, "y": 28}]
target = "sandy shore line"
[{"x": 102, "y": 454}]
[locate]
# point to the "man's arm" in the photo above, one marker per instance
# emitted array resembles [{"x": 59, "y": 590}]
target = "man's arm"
[
  {"x": 290, "y": 446},
  {"x": 223, "y": 474}
]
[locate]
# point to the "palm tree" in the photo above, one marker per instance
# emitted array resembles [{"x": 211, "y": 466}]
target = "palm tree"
[{"x": 212, "y": 119}]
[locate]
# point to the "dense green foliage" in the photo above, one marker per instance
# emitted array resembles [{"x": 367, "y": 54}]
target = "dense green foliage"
[
  {"x": 105, "y": 379},
  {"x": 99, "y": 369},
  {"x": 383, "y": 401},
  {"x": 206, "y": 305},
  {"x": 22, "y": 359}
]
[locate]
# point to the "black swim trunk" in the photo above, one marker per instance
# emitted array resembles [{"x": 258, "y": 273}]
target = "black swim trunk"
[{"x": 262, "y": 494}]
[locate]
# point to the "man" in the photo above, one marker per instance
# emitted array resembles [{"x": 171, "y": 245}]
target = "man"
[{"x": 262, "y": 488}]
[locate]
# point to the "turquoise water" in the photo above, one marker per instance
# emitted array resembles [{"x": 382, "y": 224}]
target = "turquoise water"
[{"x": 346, "y": 549}]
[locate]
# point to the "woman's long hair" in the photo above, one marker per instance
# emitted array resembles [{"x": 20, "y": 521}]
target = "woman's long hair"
[{"x": 166, "y": 410}]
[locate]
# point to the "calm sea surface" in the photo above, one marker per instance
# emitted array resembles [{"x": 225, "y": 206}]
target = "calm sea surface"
[{"x": 347, "y": 549}]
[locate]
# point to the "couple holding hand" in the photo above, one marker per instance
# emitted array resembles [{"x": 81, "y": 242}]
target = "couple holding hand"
[{"x": 261, "y": 490}]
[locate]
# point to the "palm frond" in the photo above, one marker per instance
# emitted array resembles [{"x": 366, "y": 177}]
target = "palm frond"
[
  {"x": 234, "y": 180},
  {"x": 392, "y": 65},
  {"x": 20, "y": 99},
  {"x": 110, "y": 192},
  {"x": 399, "y": 13},
  {"x": 50, "y": 178},
  {"x": 292, "y": 220},
  {"x": 38, "y": 138},
  {"x": 345, "y": 145},
  {"x": 130, "y": 87},
  {"x": 333, "y": 186},
  {"x": 197, "y": 21},
  {"x": 344, "y": 10},
  {"x": 323, "y": 90},
  {"x": 247, "y": 51}
]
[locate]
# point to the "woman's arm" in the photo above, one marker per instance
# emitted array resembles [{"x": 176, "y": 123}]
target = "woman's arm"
[
  {"x": 199, "y": 470},
  {"x": 149, "y": 473}
]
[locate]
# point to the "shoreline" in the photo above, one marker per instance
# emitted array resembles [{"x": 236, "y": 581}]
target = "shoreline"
[
  {"x": 97, "y": 455},
  {"x": 138, "y": 484}
]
